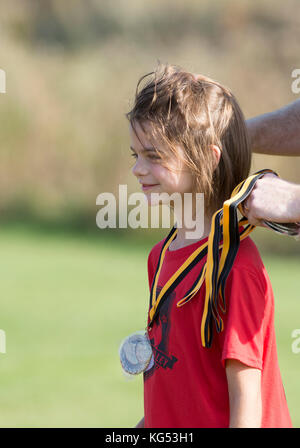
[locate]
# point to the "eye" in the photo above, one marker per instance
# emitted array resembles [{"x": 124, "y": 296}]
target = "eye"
[
  {"x": 154, "y": 157},
  {"x": 149, "y": 156}
]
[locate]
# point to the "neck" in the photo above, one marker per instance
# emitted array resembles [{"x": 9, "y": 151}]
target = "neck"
[{"x": 181, "y": 240}]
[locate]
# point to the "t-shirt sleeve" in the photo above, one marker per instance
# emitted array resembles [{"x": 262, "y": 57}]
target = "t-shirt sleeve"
[{"x": 247, "y": 308}]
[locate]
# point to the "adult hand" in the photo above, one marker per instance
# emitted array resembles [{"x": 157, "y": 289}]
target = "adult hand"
[{"x": 273, "y": 199}]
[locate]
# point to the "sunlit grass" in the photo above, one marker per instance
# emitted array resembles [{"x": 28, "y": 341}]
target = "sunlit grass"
[{"x": 66, "y": 305}]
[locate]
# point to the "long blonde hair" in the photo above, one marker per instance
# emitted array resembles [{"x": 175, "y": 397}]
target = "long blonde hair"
[{"x": 195, "y": 112}]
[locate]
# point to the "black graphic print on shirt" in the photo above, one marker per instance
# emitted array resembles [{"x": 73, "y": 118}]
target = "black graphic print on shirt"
[{"x": 161, "y": 356}]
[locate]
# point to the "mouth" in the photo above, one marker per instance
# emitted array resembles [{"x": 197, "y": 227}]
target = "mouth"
[{"x": 148, "y": 186}]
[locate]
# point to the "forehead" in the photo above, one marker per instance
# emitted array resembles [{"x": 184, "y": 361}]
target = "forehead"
[
  {"x": 142, "y": 134},
  {"x": 142, "y": 137}
]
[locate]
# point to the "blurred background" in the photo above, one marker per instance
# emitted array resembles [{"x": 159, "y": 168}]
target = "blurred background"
[{"x": 70, "y": 291}]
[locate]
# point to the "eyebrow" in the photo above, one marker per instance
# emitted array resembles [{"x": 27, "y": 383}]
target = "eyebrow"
[{"x": 144, "y": 150}]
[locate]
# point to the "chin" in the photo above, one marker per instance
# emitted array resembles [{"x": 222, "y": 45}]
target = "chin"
[
  {"x": 152, "y": 200},
  {"x": 158, "y": 199}
]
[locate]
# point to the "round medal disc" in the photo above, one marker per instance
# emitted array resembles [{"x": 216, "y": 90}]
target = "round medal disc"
[{"x": 135, "y": 353}]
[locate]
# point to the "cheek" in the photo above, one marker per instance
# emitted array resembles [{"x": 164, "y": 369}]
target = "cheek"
[
  {"x": 161, "y": 173},
  {"x": 187, "y": 182},
  {"x": 172, "y": 180}
]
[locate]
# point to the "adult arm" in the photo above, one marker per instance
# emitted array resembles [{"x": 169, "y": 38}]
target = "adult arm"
[
  {"x": 244, "y": 389},
  {"x": 141, "y": 423},
  {"x": 277, "y": 132},
  {"x": 273, "y": 199}
]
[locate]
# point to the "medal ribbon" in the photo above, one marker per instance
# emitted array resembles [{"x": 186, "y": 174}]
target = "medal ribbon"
[{"x": 225, "y": 236}]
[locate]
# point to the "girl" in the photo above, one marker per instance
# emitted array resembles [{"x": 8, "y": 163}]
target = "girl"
[{"x": 188, "y": 135}]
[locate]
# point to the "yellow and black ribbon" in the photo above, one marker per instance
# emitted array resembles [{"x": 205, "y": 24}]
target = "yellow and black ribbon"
[{"x": 221, "y": 249}]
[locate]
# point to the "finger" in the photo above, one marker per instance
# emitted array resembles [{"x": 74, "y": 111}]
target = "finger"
[
  {"x": 245, "y": 207},
  {"x": 263, "y": 224},
  {"x": 254, "y": 221}
]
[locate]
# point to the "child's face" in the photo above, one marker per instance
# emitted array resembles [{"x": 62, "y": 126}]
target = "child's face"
[{"x": 149, "y": 170}]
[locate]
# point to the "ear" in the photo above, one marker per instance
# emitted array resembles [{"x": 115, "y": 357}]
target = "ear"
[{"x": 217, "y": 153}]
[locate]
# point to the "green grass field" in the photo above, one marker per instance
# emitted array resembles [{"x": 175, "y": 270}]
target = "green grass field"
[{"x": 66, "y": 304}]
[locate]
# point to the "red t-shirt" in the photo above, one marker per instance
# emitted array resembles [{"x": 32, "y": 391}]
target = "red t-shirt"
[{"x": 185, "y": 385}]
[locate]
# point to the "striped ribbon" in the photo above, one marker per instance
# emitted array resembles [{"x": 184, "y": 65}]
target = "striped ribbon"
[{"x": 221, "y": 249}]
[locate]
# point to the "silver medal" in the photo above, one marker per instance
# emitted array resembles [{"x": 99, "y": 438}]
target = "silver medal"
[{"x": 135, "y": 353}]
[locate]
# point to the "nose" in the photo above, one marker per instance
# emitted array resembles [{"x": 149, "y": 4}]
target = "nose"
[{"x": 139, "y": 168}]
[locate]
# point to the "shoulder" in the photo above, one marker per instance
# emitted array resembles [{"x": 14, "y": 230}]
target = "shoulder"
[
  {"x": 248, "y": 257},
  {"x": 249, "y": 267}
]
